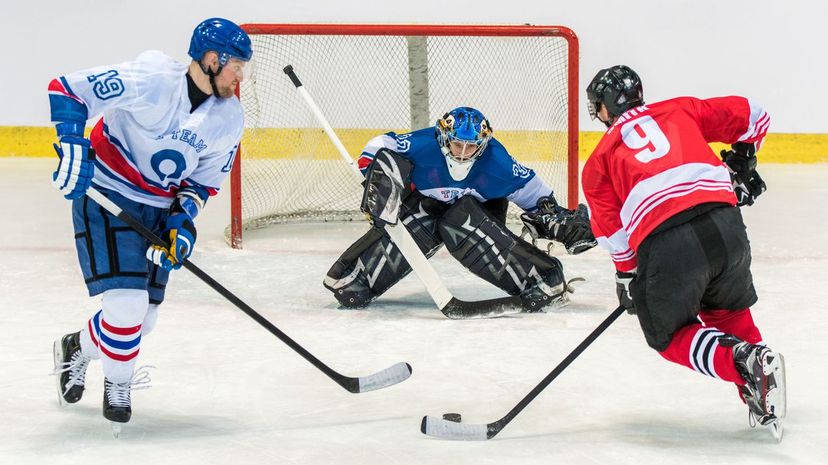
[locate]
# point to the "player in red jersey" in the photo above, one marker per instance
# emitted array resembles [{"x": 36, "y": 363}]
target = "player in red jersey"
[{"x": 666, "y": 208}]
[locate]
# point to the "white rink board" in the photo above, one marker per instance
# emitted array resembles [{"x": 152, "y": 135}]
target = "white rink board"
[{"x": 226, "y": 391}]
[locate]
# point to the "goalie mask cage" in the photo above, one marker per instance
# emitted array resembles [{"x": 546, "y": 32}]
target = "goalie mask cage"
[{"x": 372, "y": 79}]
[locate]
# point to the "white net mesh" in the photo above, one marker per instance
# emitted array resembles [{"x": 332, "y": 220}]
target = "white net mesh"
[{"x": 368, "y": 85}]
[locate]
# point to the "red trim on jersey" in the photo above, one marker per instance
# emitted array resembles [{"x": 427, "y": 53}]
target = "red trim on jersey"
[
  {"x": 55, "y": 86},
  {"x": 669, "y": 208},
  {"x": 363, "y": 161},
  {"x": 211, "y": 191},
  {"x": 114, "y": 159}
]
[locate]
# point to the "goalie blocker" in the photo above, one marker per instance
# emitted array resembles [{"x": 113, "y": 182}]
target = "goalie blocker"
[{"x": 474, "y": 233}]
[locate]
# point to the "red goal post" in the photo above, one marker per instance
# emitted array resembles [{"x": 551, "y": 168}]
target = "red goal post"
[{"x": 373, "y": 78}]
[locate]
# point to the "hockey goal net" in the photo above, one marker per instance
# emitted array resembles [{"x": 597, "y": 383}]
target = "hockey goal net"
[{"x": 371, "y": 79}]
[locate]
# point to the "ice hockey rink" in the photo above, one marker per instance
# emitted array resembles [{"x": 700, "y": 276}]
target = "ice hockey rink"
[{"x": 227, "y": 391}]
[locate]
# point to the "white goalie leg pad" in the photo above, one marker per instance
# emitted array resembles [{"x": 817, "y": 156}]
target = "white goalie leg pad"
[{"x": 117, "y": 331}]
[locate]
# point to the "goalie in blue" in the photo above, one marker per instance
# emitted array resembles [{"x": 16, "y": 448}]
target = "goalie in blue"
[
  {"x": 457, "y": 183},
  {"x": 164, "y": 145}
]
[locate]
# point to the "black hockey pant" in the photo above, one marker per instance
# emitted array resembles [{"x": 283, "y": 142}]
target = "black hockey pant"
[{"x": 701, "y": 264}]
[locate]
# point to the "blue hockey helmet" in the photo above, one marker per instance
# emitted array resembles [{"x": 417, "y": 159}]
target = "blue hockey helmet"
[
  {"x": 462, "y": 134},
  {"x": 222, "y": 36}
]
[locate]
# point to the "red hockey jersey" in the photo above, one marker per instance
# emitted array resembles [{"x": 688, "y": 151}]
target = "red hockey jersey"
[{"x": 655, "y": 162}]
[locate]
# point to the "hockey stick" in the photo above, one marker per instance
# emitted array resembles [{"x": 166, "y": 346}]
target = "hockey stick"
[
  {"x": 451, "y": 306},
  {"x": 381, "y": 379},
  {"x": 445, "y": 429}
]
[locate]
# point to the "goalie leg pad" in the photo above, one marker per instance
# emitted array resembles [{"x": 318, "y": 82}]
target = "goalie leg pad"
[
  {"x": 488, "y": 249},
  {"x": 373, "y": 264}
]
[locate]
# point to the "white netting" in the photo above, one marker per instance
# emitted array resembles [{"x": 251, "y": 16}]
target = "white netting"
[{"x": 368, "y": 85}]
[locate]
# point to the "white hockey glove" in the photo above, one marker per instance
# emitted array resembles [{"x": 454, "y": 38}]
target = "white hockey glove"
[{"x": 76, "y": 167}]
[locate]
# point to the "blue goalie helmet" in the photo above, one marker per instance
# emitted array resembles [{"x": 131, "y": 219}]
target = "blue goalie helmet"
[
  {"x": 222, "y": 36},
  {"x": 462, "y": 134}
]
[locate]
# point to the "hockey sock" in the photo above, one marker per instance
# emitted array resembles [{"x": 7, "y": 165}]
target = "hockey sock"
[
  {"x": 88, "y": 342},
  {"x": 697, "y": 347},
  {"x": 736, "y": 322},
  {"x": 116, "y": 331},
  {"x": 149, "y": 320}
]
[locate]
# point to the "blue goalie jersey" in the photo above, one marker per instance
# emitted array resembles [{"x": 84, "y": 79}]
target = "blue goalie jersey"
[{"x": 494, "y": 175}]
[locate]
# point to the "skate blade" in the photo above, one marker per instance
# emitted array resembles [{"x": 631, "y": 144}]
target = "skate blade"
[
  {"x": 776, "y": 400},
  {"x": 116, "y": 429},
  {"x": 776, "y": 429},
  {"x": 57, "y": 351},
  {"x": 557, "y": 304}
]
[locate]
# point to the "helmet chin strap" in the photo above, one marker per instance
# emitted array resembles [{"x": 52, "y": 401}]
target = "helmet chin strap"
[{"x": 212, "y": 76}]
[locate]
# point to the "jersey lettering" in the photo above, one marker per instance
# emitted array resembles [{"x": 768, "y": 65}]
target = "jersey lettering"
[
  {"x": 403, "y": 144},
  {"x": 229, "y": 165},
  {"x": 106, "y": 85},
  {"x": 520, "y": 171},
  {"x": 644, "y": 133}
]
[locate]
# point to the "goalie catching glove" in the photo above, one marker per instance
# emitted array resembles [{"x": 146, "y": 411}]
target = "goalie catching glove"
[
  {"x": 741, "y": 162},
  {"x": 569, "y": 227},
  {"x": 387, "y": 182}
]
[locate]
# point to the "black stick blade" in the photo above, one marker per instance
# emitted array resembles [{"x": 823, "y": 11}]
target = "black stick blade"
[{"x": 461, "y": 310}]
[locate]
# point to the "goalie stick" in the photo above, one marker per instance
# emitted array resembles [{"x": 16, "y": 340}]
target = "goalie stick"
[
  {"x": 451, "y": 306},
  {"x": 446, "y": 429},
  {"x": 388, "y": 377}
]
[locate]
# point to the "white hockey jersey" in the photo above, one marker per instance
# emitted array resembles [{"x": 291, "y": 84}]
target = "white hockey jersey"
[{"x": 148, "y": 144}]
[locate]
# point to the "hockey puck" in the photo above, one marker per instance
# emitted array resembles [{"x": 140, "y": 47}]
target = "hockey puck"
[{"x": 455, "y": 417}]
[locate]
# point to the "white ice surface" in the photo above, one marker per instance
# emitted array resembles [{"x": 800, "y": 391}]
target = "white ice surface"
[{"x": 227, "y": 391}]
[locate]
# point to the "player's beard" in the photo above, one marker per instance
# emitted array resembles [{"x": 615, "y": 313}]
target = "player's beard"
[{"x": 226, "y": 91}]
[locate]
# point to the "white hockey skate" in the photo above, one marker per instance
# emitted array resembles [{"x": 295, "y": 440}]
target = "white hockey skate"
[{"x": 764, "y": 391}]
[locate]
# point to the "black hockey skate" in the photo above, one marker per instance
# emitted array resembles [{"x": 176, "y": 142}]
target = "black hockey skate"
[
  {"x": 764, "y": 392},
  {"x": 117, "y": 402},
  {"x": 117, "y": 405},
  {"x": 543, "y": 297},
  {"x": 70, "y": 368}
]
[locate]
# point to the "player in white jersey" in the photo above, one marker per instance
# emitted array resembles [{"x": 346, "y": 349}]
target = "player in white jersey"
[{"x": 163, "y": 146}]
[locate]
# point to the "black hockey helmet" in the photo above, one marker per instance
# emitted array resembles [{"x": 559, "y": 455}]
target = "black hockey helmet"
[{"x": 617, "y": 88}]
